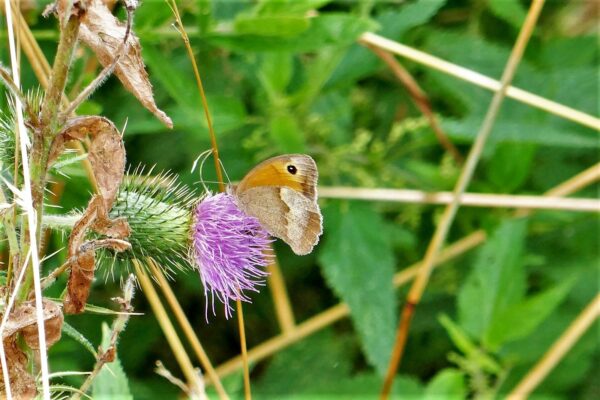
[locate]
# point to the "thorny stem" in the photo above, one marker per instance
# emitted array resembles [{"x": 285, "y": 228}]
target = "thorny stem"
[
  {"x": 439, "y": 236},
  {"x": 108, "y": 355},
  {"x": 47, "y": 129}
]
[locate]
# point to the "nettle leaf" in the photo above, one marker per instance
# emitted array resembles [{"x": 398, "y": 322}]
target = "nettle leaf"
[
  {"x": 447, "y": 384},
  {"x": 497, "y": 279},
  {"x": 519, "y": 320},
  {"x": 360, "y": 62},
  {"x": 358, "y": 262},
  {"x": 111, "y": 382}
]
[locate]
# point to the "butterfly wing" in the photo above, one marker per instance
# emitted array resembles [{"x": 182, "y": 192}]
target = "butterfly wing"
[{"x": 284, "y": 199}]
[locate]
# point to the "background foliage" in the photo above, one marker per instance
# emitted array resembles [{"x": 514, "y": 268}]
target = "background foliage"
[{"x": 288, "y": 76}]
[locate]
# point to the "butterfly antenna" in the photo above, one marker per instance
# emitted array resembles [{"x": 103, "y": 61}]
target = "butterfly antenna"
[
  {"x": 225, "y": 171},
  {"x": 201, "y": 158}
]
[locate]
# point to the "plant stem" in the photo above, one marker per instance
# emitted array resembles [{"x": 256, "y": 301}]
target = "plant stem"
[{"x": 42, "y": 138}]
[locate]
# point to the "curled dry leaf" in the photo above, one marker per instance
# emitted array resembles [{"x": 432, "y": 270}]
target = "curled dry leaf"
[
  {"x": 104, "y": 34},
  {"x": 107, "y": 157},
  {"x": 23, "y": 321}
]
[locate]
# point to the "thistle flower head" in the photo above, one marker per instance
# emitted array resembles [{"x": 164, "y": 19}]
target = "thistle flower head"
[{"x": 228, "y": 247}]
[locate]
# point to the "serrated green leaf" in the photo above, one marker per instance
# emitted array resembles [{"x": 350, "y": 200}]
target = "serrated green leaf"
[
  {"x": 358, "y": 263},
  {"x": 519, "y": 320},
  {"x": 447, "y": 384},
  {"x": 497, "y": 279},
  {"x": 111, "y": 382}
]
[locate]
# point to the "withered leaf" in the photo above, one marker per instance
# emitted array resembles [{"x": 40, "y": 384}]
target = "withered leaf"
[
  {"x": 104, "y": 34},
  {"x": 106, "y": 153},
  {"x": 23, "y": 320},
  {"x": 107, "y": 157}
]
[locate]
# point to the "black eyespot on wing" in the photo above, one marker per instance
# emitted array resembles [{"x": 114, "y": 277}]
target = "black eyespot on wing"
[{"x": 292, "y": 169}]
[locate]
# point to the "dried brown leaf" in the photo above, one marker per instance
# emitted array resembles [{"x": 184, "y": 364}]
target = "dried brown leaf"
[
  {"x": 22, "y": 383},
  {"x": 104, "y": 34},
  {"x": 23, "y": 321},
  {"x": 107, "y": 157},
  {"x": 106, "y": 153}
]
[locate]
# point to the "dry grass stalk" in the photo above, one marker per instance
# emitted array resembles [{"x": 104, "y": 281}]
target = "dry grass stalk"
[
  {"x": 480, "y": 80},
  {"x": 439, "y": 237},
  {"x": 467, "y": 199}
]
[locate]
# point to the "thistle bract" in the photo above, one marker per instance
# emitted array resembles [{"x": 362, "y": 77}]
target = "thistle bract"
[{"x": 229, "y": 249}]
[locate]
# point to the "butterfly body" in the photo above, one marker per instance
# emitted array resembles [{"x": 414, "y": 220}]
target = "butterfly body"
[{"x": 281, "y": 193}]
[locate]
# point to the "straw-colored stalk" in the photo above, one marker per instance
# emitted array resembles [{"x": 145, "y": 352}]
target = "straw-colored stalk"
[
  {"x": 480, "y": 80},
  {"x": 467, "y": 199},
  {"x": 439, "y": 237}
]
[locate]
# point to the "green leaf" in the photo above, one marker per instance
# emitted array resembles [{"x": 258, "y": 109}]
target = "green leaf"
[
  {"x": 286, "y": 134},
  {"x": 75, "y": 334},
  {"x": 111, "y": 382},
  {"x": 358, "y": 263},
  {"x": 360, "y": 62},
  {"x": 324, "y": 30},
  {"x": 462, "y": 341},
  {"x": 510, "y": 165},
  {"x": 519, "y": 320},
  {"x": 447, "y": 384},
  {"x": 497, "y": 279},
  {"x": 511, "y": 11},
  {"x": 320, "y": 367}
]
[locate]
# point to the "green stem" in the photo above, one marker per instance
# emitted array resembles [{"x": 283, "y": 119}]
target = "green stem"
[{"x": 42, "y": 137}]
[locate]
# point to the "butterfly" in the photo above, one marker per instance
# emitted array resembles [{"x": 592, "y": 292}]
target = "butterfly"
[{"x": 281, "y": 193}]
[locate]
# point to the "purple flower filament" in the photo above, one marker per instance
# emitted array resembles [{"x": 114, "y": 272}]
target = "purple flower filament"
[{"x": 229, "y": 247}]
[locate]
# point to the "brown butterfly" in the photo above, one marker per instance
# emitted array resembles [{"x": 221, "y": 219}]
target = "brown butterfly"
[{"x": 281, "y": 193}]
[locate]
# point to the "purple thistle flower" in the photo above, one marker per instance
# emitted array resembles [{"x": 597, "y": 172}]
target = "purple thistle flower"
[{"x": 228, "y": 247}]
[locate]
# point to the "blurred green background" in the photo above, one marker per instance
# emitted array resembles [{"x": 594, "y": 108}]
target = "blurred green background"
[{"x": 288, "y": 76}]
